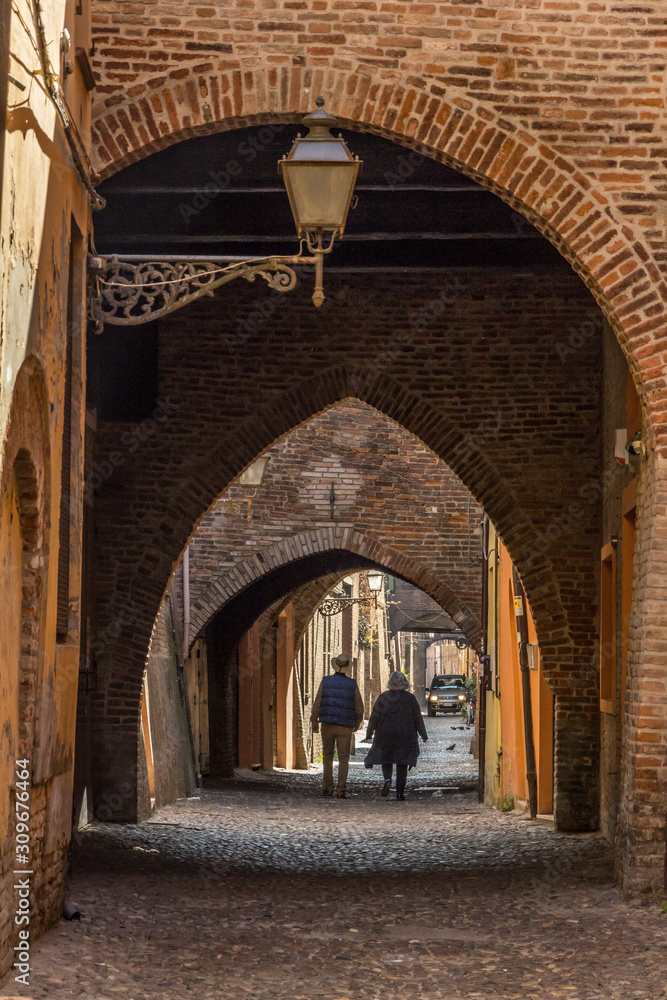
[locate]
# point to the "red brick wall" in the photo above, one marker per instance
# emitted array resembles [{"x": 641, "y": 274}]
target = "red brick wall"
[
  {"x": 557, "y": 108},
  {"x": 582, "y": 77}
]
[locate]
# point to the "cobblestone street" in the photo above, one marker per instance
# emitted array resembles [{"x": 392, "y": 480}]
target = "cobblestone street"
[{"x": 270, "y": 891}]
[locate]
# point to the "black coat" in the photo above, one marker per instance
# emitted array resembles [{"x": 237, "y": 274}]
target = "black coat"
[{"x": 395, "y": 721}]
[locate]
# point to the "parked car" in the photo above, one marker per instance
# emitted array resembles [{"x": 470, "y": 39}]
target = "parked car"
[{"x": 446, "y": 694}]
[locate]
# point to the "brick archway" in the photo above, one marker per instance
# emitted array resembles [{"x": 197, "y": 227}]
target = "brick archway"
[
  {"x": 324, "y": 540},
  {"x": 25, "y": 648},
  {"x": 26, "y": 450},
  {"x": 567, "y": 649},
  {"x": 126, "y": 636},
  {"x": 567, "y": 652},
  {"x": 568, "y": 209},
  {"x": 306, "y": 599},
  {"x": 539, "y": 182},
  {"x": 229, "y": 607},
  {"x": 25, "y": 461}
]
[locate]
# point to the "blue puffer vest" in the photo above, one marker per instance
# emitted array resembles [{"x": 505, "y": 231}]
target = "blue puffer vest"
[{"x": 338, "y": 701}]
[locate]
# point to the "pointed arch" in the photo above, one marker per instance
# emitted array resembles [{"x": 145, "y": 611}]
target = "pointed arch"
[
  {"x": 275, "y": 420},
  {"x": 303, "y": 547},
  {"x": 25, "y": 470},
  {"x": 535, "y": 179}
]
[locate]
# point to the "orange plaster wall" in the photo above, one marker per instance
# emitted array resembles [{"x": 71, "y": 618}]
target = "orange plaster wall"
[
  {"x": 513, "y": 759},
  {"x": 512, "y": 741}
]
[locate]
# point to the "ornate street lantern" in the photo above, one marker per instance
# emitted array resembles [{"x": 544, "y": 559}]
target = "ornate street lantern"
[
  {"x": 334, "y": 605},
  {"x": 319, "y": 174}
]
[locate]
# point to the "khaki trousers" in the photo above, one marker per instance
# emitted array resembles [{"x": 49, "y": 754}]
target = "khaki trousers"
[{"x": 341, "y": 738}]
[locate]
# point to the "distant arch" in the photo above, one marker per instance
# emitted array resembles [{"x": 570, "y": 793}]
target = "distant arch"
[{"x": 308, "y": 544}]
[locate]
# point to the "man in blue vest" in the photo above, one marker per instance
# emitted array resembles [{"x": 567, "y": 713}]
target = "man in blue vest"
[{"x": 339, "y": 709}]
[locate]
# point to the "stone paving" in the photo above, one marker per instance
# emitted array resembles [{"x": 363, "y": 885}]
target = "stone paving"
[{"x": 269, "y": 892}]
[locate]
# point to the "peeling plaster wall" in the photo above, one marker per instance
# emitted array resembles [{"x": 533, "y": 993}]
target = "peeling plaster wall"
[
  {"x": 44, "y": 211},
  {"x": 10, "y": 596}
]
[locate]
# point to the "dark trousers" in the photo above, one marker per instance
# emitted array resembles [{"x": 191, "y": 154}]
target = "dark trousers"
[{"x": 401, "y": 775}]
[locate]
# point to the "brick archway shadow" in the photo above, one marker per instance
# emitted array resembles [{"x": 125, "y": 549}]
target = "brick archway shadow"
[
  {"x": 307, "y": 544},
  {"x": 536, "y": 180},
  {"x": 307, "y": 599}
]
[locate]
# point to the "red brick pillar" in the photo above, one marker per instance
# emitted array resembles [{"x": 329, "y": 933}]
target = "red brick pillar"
[
  {"x": 121, "y": 792},
  {"x": 576, "y": 764},
  {"x": 249, "y": 699},
  {"x": 640, "y": 841}
]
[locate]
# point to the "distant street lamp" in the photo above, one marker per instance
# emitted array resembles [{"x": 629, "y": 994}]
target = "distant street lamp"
[
  {"x": 334, "y": 605},
  {"x": 252, "y": 478},
  {"x": 319, "y": 174},
  {"x": 254, "y": 474}
]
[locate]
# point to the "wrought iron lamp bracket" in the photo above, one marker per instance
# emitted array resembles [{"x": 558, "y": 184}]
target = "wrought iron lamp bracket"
[
  {"x": 234, "y": 505},
  {"x": 334, "y": 605},
  {"x": 129, "y": 291}
]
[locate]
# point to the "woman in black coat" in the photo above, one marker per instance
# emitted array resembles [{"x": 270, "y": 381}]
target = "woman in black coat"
[{"x": 395, "y": 721}]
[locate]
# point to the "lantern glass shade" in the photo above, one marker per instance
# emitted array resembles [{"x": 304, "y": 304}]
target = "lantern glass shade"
[
  {"x": 375, "y": 580},
  {"x": 254, "y": 474},
  {"x": 319, "y": 174}
]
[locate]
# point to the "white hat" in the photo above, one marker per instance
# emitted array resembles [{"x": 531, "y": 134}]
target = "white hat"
[{"x": 340, "y": 662}]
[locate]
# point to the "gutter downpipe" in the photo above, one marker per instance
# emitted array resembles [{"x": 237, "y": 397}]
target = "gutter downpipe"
[
  {"x": 77, "y": 148},
  {"x": 483, "y": 661},
  {"x": 186, "y": 602},
  {"x": 181, "y": 656},
  {"x": 522, "y": 628},
  {"x": 5, "y": 30}
]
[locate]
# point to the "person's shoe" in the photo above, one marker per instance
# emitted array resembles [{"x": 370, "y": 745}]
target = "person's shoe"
[
  {"x": 386, "y": 788},
  {"x": 400, "y": 797},
  {"x": 340, "y": 794},
  {"x": 327, "y": 791}
]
